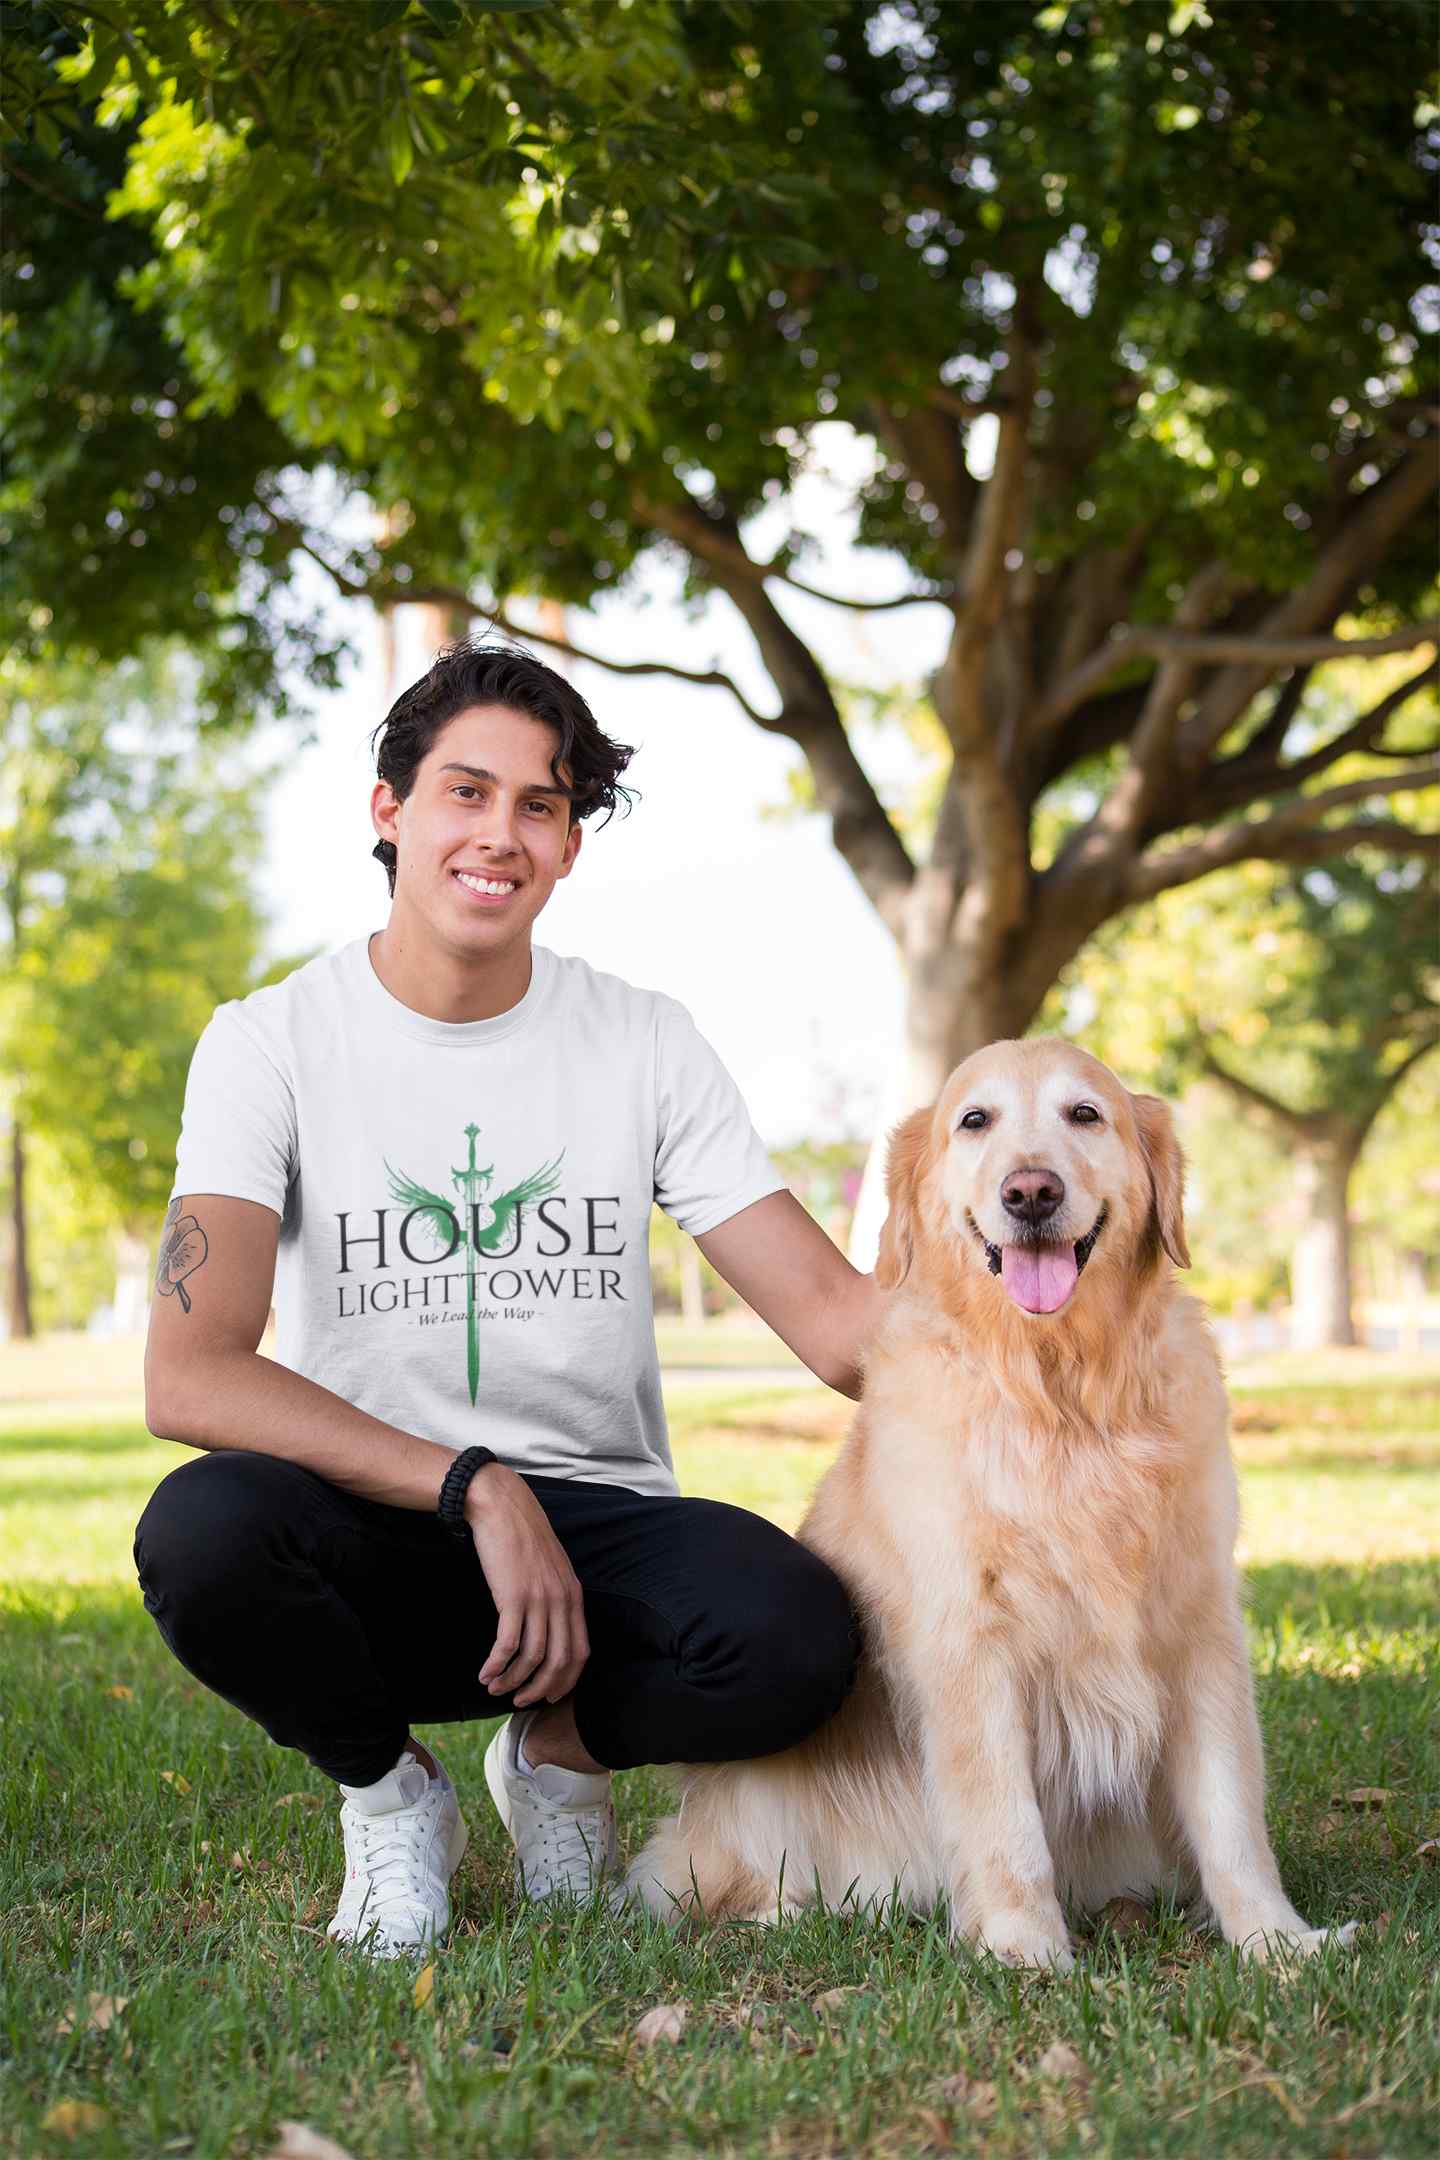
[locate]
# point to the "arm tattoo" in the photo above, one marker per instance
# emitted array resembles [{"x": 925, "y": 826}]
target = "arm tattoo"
[{"x": 183, "y": 1247}]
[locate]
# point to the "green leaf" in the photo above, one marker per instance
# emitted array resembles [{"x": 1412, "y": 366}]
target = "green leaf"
[{"x": 399, "y": 145}]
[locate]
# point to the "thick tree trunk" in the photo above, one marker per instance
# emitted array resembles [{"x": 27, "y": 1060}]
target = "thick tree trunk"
[
  {"x": 22, "y": 1325},
  {"x": 1321, "y": 1293},
  {"x": 954, "y": 1005}
]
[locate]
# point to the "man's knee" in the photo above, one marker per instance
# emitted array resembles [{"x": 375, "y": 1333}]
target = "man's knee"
[
  {"x": 787, "y": 1642},
  {"x": 212, "y": 1519}
]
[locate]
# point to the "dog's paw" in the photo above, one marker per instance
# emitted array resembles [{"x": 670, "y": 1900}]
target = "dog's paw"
[
  {"x": 1271, "y": 1945},
  {"x": 772, "y": 1913},
  {"x": 1022, "y": 1941}
]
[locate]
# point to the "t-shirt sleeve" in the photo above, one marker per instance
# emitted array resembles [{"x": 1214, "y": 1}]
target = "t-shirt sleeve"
[
  {"x": 709, "y": 1160},
  {"x": 237, "y": 1130}
]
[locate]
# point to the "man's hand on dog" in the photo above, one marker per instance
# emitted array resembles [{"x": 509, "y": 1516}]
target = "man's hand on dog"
[{"x": 541, "y": 1643}]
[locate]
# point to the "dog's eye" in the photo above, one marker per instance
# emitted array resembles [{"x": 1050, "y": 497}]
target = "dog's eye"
[
  {"x": 1085, "y": 1113},
  {"x": 974, "y": 1120}
]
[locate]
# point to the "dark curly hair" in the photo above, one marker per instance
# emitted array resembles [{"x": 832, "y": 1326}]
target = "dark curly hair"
[{"x": 469, "y": 673}]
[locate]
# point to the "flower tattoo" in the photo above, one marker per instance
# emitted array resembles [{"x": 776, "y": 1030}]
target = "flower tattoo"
[{"x": 183, "y": 1247}]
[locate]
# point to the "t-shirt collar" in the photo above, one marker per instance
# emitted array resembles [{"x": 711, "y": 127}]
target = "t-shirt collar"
[{"x": 385, "y": 1008}]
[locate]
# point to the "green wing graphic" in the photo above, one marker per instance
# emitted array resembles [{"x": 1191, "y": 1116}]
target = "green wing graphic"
[
  {"x": 535, "y": 1187},
  {"x": 443, "y": 1218}
]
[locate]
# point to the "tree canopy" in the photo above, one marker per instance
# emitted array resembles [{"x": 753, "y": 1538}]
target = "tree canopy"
[{"x": 1126, "y": 300}]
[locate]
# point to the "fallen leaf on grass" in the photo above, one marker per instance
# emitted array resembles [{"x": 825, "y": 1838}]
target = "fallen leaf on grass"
[
  {"x": 665, "y": 2022},
  {"x": 121, "y": 1693},
  {"x": 176, "y": 1778},
  {"x": 1430, "y": 1851},
  {"x": 1125, "y": 1916},
  {"x": 835, "y": 1999},
  {"x": 1061, "y": 2062},
  {"x": 71, "y": 2117},
  {"x": 101, "y": 2015},
  {"x": 425, "y": 1988},
  {"x": 976, "y": 2095},
  {"x": 300, "y": 1799},
  {"x": 1362, "y": 1796},
  {"x": 299, "y": 2142},
  {"x": 933, "y": 2132}
]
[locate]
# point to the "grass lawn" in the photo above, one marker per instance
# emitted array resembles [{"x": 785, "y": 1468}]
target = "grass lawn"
[{"x": 160, "y": 1850}]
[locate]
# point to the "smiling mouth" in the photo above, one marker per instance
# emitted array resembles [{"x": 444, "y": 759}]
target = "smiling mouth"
[
  {"x": 485, "y": 888},
  {"x": 1041, "y": 1274}
]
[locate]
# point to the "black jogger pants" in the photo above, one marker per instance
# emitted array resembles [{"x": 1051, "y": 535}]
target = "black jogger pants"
[{"x": 337, "y": 1623}]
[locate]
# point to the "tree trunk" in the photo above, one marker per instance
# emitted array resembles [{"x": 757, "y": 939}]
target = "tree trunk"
[
  {"x": 692, "y": 1286},
  {"x": 134, "y": 1282},
  {"x": 1320, "y": 1268},
  {"x": 22, "y": 1325},
  {"x": 1414, "y": 1290},
  {"x": 953, "y": 1007}
]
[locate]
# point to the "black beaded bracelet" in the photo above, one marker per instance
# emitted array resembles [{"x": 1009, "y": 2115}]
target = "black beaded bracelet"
[{"x": 451, "y": 1508}]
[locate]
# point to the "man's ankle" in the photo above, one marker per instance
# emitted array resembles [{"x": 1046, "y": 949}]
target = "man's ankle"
[
  {"x": 550, "y": 1739},
  {"x": 422, "y": 1755}
]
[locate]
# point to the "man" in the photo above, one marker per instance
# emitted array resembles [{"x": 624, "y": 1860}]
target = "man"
[{"x": 452, "y": 1493}]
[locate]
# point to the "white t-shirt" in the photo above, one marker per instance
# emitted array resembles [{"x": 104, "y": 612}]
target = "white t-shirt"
[{"x": 465, "y": 1205}]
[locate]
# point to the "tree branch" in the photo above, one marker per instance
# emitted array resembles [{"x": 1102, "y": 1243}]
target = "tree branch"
[
  {"x": 66, "y": 202},
  {"x": 1392, "y": 1079},
  {"x": 996, "y": 835},
  {"x": 1295, "y": 1122},
  {"x": 1245, "y": 779},
  {"x": 960, "y": 407},
  {"x": 1289, "y": 835},
  {"x": 1266, "y": 653},
  {"x": 928, "y": 442},
  {"x": 1377, "y": 516},
  {"x": 862, "y": 831},
  {"x": 1269, "y": 738},
  {"x": 453, "y": 596},
  {"x": 1149, "y": 773},
  {"x": 942, "y": 596},
  {"x": 860, "y": 825}
]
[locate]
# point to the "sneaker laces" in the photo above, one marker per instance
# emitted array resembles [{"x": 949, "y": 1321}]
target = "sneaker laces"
[
  {"x": 390, "y": 1849},
  {"x": 574, "y": 1839}
]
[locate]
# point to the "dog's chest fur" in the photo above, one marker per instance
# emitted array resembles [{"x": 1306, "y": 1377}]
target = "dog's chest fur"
[{"x": 1042, "y": 1552}]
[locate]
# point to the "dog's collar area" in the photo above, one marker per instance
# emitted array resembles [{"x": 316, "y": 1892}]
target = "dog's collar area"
[{"x": 1083, "y": 1246}]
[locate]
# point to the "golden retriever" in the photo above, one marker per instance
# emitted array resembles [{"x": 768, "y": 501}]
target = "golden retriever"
[{"x": 1035, "y": 1512}]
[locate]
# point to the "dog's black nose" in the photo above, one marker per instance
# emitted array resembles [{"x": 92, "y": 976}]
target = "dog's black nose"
[{"x": 1032, "y": 1196}]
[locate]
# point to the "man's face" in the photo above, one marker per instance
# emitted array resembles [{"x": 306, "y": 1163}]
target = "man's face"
[{"x": 484, "y": 833}]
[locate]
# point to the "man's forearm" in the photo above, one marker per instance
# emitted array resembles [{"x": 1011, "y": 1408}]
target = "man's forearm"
[
  {"x": 850, "y": 1317},
  {"x": 239, "y": 1399},
  {"x": 800, "y": 1283}
]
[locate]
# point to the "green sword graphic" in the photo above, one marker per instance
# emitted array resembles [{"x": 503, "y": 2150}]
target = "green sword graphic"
[{"x": 471, "y": 1184}]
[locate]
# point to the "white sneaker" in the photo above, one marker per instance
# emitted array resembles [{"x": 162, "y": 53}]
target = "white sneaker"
[
  {"x": 404, "y": 1839},
  {"x": 562, "y": 1822}
]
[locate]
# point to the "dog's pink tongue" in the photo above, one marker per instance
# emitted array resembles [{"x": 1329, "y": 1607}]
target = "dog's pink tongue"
[{"x": 1039, "y": 1277}]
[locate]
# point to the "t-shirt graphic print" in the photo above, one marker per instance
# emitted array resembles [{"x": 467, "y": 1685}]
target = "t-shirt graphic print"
[
  {"x": 484, "y": 1224},
  {"x": 489, "y": 1180}
]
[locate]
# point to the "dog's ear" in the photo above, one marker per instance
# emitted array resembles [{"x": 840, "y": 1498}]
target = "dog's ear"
[
  {"x": 903, "y": 1166},
  {"x": 1166, "y": 1165}
]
